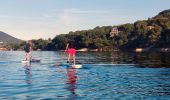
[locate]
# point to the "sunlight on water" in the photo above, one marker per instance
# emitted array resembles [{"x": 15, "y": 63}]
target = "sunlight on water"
[{"x": 104, "y": 76}]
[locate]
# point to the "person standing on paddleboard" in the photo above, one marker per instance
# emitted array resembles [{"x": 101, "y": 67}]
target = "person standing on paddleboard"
[
  {"x": 28, "y": 50},
  {"x": 71, "y": 52}
]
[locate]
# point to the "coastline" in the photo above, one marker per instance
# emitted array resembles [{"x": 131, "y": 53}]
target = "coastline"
[
  {"x": 110, "y": 49},
  {"x": 152, "y": 49}
]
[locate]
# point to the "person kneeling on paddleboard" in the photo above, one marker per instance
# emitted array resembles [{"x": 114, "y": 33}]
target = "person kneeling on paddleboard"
[
  {"x": 71, "y": 52},
  {"x": 28, "y": 50}
]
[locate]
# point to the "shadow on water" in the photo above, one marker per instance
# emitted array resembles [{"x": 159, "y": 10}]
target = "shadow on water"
[
  {"x": 152, "y": 59},
  {"x": 144, "y": 59}
]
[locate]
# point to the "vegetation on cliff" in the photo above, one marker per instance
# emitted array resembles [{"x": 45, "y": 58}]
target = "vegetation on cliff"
[{"x": 151, "y": 33}]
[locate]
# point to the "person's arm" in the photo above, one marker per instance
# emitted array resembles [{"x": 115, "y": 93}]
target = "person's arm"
[
  {"x": 31, "y": 49},
  {"x": 63, "y": 54},
  {"x": 66, "y": 47}
]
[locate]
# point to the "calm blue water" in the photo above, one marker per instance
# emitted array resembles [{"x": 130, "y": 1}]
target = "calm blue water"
[{"x": 104, "y": 76}]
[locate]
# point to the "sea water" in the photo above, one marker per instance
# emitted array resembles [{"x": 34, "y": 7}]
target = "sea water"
[{"x": 104, "y": 76}]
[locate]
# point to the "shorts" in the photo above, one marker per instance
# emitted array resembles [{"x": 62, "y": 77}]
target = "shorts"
[{"x": 71, "y": 51}]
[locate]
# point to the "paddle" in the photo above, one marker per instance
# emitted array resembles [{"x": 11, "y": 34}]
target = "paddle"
[
  {"x": 60, "y": 60},
  {"x": 63, "y": 55}
]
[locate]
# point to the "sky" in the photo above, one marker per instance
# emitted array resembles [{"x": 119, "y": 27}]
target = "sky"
[{"x": 34, "y": 19}]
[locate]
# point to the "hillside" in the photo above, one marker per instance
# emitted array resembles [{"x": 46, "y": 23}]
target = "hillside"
[
  {"x": 151, "y": 33},
  {"x": 4, "y": 37},
  {"x": 147, "y": 34}
]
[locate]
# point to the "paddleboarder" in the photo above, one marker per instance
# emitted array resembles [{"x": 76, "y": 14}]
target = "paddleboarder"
[
  {"x": 71, "y": 52},
  {"x": 28, "y": 50}
]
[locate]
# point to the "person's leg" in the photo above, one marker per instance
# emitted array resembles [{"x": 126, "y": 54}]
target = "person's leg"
[
  {"x": 74, "y": 58},
  {"x": 68, "y": 59},
  {"x": 30, "y": 55},
  {"x": 25, "y": 55}
]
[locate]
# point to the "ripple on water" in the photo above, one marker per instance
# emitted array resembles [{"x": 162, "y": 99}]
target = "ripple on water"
[{"x": 104, "y": 76}]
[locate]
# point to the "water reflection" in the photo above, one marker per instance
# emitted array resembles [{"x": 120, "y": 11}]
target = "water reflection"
[
  {"x": 58, "y": 68},
  {"x": 28, "y": 77},
  {"x": 95, "y": 82},
  {"x": 152, "y": 59},
  {"x": 71, "y": 83},
  {"x": 144, "y": 59}
]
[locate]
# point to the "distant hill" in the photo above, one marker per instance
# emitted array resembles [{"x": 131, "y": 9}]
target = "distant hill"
[
  {"x": 150, "y": 33},
  {"x": 164, "y": 14},
  {"x": 4, "y": 37}
]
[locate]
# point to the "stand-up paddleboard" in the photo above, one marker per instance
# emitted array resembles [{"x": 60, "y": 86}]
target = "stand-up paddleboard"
[
  {"x": 71, "y": 65},
  {"x": 34, "y": 60},
  {"x": 25, "y": 61},
  {"x": 75, "y": 66}
]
